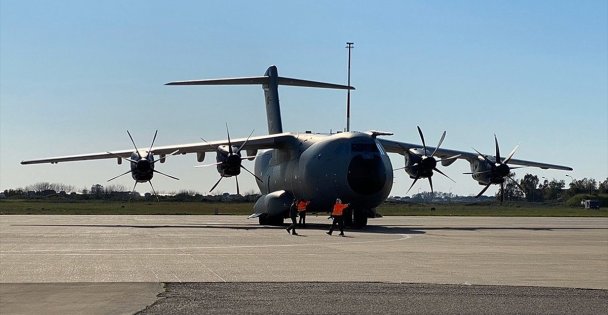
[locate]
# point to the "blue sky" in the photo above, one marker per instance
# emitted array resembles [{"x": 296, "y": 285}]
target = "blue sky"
[{"x": 75, "y": 75}]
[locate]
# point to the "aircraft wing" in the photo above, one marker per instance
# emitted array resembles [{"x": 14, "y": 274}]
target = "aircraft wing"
[
  {"x": 273, "y": 141},
  {"x": 402, "y": 147}
]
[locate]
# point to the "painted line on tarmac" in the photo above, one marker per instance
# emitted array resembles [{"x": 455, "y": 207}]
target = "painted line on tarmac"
[{"x": 54, "y": 251}]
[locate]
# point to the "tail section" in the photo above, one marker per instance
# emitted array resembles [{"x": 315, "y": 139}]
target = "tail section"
[
  {"x": 270, "y": 83},
  {"x": 271, "y": 95}
]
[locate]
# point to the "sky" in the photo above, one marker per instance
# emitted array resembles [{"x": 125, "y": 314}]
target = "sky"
[{"x": 75, "y": 75}]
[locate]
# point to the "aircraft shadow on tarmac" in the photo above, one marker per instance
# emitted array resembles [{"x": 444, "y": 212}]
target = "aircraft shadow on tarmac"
[{"x": 373, "y": 229}]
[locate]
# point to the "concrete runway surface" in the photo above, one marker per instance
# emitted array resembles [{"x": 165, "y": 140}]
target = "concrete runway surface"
[{"x": 118, "y": 264}]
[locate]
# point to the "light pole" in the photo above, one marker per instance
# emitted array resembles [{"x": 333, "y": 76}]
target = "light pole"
[{"x": 349, "y": 46}]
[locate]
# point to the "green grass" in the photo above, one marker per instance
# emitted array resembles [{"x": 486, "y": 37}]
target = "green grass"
[
  {"x": 120, "y": 208},
  {"x": 521, "y": 209}
]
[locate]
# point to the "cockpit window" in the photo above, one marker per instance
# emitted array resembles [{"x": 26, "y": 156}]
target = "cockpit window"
[
  {"x": 380, "y": 148},
  {"x": 364, "y": 147}
]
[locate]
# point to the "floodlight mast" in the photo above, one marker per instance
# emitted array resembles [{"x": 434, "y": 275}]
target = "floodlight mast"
[{"x": 349, "y": 46}]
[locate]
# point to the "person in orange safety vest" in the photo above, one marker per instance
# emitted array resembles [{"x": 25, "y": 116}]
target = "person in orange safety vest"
[
  {"x": 338, "y": 215},
  {"x": 302, "y": 204}
]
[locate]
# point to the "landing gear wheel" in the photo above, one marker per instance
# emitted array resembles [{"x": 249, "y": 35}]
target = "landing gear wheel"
[
  {"x": 348, "y": 217},
  {"x": 360, "y": 218},
  {"x": 271, "y": 220}
]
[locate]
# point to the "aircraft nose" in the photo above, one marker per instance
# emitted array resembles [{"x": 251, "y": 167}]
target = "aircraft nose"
[{"x": 366, "y": 174}]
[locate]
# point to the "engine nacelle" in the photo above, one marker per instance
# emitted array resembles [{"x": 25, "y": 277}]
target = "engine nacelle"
[
  {"x": 142, "y": 168},
  {"x": 412, "y": 162},
  {"x": 485, "y": 173},
  {"x": 229, "y": 164}
]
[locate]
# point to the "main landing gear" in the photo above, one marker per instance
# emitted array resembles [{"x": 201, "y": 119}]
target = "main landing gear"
[{"x": 356, "y": 218}]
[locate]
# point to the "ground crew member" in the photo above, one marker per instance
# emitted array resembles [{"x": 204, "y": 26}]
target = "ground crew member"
[
  {"x": 293, "y": 213},
  {"x": 302, "y": 204},
  {"x": 338, "y": 215}
]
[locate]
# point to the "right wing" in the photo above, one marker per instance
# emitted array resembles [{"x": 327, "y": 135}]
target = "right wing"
[{"x": 402, "y": 147}]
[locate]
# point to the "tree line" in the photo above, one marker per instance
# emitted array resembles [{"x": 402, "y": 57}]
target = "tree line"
[
  {"x": 542, "y": 189},
  {"x": 531, "y": 188},
  {"x": 58, "y": 191}
]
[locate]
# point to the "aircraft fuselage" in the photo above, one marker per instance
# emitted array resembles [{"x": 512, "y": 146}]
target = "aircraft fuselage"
[{"x": 352, "y": 166}]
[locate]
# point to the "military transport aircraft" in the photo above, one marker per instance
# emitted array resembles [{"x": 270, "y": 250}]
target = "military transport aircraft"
[{"x": 353, "y": 166}]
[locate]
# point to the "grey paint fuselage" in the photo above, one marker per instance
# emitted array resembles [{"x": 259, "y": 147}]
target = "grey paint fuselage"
[{"x": 321, "y": 168}]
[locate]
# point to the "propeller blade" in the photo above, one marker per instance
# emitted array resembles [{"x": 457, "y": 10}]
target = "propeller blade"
[
  {"x": 475, "y": 173},
  {"x": 442, "y": 173},
  {"x": 516, "y": 183},
  {"x": 483, "y": 190},
  {"x": 498, "y": 160},
  {"x": 118, "y": 156},
  {"x": 218, "y": 181},
  {"x": 136, "y": 149},
  {"x": 172, "y": 153},
  {"x": 415, "y": 180},
  {"x": 422, "y": 138},
  {"x": 511, "y": 155},
  {"x": 440, "y": 142},
  {"x": 399, "y": 168},
  {"x": 153, "y": 139},
  {"x": 483, "y": 156},
  {"x": 132, "y": 191},
  {"x": 159, "y": 172},
  {"x": 431, "y": 183},
  {"x": 238, "y": 192},
  {"x": 502, "y": 192},
  {"x": 247, "y": 157},
  {"x": 229, "y": 143},
  {"x": 154, "y": 191},
  {"x": 450, "y": 158},
  {"x": 256, "y": 177},
  {"x": 242, "y": 145},
  {"x": 115, "y": 177},
  {"x": 214, "y": 164}
]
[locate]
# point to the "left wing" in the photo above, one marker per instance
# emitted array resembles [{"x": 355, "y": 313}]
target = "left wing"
[
  {"x": 402, "y": 147},
  {"x": 273, "y": 141}
]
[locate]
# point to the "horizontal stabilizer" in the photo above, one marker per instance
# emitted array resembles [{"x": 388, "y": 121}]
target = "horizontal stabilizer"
[
  {"x": 263, "y": 80},
  {"x": 270, "y": 82}
]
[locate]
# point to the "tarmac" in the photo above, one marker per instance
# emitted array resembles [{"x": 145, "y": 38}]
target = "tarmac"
[{"x": 128, "y": 264}]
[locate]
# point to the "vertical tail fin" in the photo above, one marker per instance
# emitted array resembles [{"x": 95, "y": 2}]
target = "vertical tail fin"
[
  {"x": 271, "y": 95},
  {"x": 270, "y": 83}
]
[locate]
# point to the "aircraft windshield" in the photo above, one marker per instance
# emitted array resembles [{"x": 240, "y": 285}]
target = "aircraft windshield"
[{"x": 364, "y": 147}]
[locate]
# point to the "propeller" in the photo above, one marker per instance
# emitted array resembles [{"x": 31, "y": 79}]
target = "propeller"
[
  {"x": 142, "y": 168},
  {"x": 426, "y": 164},
  {"x": 229, "y": 163},
  {"x": 499, "y": 170}
]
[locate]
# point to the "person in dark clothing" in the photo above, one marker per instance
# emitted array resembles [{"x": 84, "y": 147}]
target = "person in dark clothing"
[{"x": 293, "y": 214}]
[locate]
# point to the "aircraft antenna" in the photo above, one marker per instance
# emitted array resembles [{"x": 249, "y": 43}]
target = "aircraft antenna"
[{"x": 349, "y": 46}]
